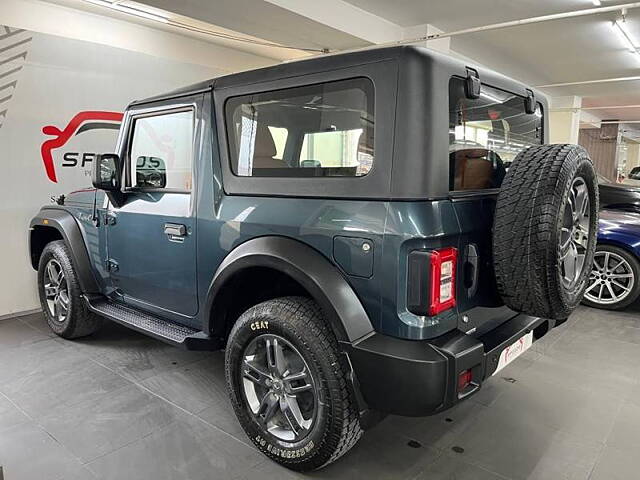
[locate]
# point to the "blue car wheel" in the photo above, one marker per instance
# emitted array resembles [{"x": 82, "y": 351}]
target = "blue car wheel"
[{"x": 614, "y": 282}]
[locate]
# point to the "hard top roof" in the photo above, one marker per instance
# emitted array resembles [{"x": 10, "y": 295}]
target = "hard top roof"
[{"x": 336, "y": 61}]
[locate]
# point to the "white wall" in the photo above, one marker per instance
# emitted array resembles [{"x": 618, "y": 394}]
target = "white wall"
[{"x": 59, "y": 78}]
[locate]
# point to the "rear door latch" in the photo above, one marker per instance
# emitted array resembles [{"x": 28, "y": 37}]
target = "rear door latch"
[{"x": 112, "y": 265}]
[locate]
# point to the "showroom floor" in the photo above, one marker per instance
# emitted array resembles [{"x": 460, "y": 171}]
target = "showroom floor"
[{"x": 119, "y": 405}]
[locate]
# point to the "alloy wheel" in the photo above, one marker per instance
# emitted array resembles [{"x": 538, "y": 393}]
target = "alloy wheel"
[
  {"x": 56, "y": 291},
  {"x": 574, "y": 234},
  {"x": 611, "y": 279},
  {"x": 279, "y": 387}
]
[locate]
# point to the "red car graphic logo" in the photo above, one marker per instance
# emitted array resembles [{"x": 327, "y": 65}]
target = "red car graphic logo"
[{"x": 81, "y": 122}]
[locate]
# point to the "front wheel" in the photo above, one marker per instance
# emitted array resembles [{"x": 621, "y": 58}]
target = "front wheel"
[
  {"x": 61, "y": 296},
  {"x": 614, "y": 281},
  {"x": 288, "y": 384}
]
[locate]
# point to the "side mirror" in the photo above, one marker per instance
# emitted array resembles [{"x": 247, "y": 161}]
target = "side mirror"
[
  {"x": 151, "y": 172},
  {"x": 106, "y": 172}
]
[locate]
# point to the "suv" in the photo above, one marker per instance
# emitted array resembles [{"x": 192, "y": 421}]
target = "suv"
[{"x": 344, "y": 227}]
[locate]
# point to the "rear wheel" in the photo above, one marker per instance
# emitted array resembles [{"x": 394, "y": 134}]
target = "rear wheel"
[
  {"x": 613, "y": 282},
  {"x": 288, "y": 384},
  {"x": 60, "y": 294}
]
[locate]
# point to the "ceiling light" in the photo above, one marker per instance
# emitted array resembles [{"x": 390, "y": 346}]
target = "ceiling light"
[
  {"x": 129, "y": 10},
  {"x": 622, "y": 29},
  {"x": 597, "y": 3}
]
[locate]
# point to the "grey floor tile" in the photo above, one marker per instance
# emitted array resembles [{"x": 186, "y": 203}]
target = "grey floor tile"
[
  {"x": 134, "y": 355},
  {"x": 448, "y": 467},
  {"x": 583, "y": 414},
  {"x": 99, "y": 426},
  {"x": 625, "y": 434},
  {"x": 598, "y": 354},
  {"x": 269, "y": 470},
  {"x": 380, "y": 455},
  {"x": 579, "y": 376},
  {"x": 28, "y": 453},
  {"x": 437, "y": 431},
  {"x": 61, "y": 382},
  {"x": 195, "y": 386},
  {"x": 30, "y": 359},
  {"x": 10, "y": 416},
  {"x": 14, "y": 333},
  {"x": 223, "y": 417},
  {"x": 616, "y": 465},
  {"x": 616, "y": 325},
  {"x": 185, "y": 449},
  {"x": 517, "y": 445},
  {"x": 37, "y": 321}
]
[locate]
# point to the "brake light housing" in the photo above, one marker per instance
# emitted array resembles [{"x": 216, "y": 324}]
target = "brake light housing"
[
  {"x": 431, "y": 281},
  {"x": 442, "y": 293}
]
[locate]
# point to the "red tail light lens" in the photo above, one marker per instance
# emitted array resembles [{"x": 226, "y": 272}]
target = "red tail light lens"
[
  {"x": 464, "y": 380},
  {"x": 442, "y": 294}
]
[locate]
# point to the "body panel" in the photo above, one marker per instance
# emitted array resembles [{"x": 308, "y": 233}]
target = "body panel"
[{"x": 621, "y": 229}]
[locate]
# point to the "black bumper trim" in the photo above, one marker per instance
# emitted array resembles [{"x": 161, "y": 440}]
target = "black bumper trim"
[{"x": 420, "y": 377}]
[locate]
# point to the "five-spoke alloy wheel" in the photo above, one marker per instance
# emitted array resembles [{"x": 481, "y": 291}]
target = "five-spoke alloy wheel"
[
  {"x": 574, "y": 234},
  {"x": 61, "y": 295},
  {"x": 278, "y": 387},
  {"x": 289, "y": 385},
  {"x": 55, "y": 290}
]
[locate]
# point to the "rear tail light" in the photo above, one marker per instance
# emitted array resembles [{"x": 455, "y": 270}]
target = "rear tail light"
[
  {"x": 431, "y": 282},
  {"x": 442, "y": 292},
  {"x": 464, "y": 380}
]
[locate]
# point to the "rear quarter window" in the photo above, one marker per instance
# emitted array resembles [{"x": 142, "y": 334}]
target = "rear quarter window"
[
  {"x": 486, "y": 134},
  {"x": 322, "y": 130}
]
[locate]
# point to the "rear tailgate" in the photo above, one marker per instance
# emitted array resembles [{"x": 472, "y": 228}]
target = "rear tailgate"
[{"x": 479, "y": 303}]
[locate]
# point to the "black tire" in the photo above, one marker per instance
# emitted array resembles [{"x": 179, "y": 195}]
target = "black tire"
[
  {"x": 78, "y": 321},
  {"x": 634, "y": 266},
  {"x": 528, "y": 228},
  {"x": 335, "y": 428}
]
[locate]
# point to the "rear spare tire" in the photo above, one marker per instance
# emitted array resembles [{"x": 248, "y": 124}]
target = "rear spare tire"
[{"x": 544, "y": 232}]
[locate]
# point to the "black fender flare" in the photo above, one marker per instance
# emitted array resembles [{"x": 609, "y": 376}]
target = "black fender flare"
[
  {"x": 65, "y": 223},
  {"x": 309, "y": 268}
]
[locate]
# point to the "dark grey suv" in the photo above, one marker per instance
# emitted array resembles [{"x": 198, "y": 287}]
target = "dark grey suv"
[{"x": 343, "y": 226}]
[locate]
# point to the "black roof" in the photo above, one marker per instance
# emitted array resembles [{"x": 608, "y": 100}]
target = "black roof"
[{"x": 320, "y": 63}]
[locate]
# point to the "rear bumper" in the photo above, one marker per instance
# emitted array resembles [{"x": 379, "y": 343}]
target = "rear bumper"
[{"x": 419, "y": 378}]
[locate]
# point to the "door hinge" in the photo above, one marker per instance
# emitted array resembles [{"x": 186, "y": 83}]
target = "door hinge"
[{"x": 112, "y": 265}]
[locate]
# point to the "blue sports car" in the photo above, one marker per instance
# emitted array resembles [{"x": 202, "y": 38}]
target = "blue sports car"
[{"x": 615, "y": 279}]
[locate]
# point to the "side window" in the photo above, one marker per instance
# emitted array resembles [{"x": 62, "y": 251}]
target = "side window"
[
  {"x": 324, "y": 130},
  {"x": 161, "y": 152}
]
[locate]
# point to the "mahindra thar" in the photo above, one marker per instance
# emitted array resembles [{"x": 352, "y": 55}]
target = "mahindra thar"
[{"x": 368, "y": 233}]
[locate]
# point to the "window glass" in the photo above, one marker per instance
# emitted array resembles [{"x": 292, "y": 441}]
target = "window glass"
[
  {"x": 486, "y": 134},
  {"x": 321, "y": 130},
  {"x": 162, "y": 151}
]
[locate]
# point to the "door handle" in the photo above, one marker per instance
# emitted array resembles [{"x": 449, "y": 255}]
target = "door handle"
[
  {"x": 175, "y": 229},
  {"x": 471, "y": 269}
]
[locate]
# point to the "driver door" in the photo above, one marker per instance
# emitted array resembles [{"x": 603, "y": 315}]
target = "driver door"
[{"x": 151, "y": 238}]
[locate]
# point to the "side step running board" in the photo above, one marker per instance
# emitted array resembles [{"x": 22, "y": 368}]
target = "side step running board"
[{"x": 169, "y": 332}]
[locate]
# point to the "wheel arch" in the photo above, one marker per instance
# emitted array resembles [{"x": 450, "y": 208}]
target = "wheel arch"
[
  {"x": 52, "y": 224},
  {"x": 622, "y": 241},
  {"x": 291, "y": 260}
]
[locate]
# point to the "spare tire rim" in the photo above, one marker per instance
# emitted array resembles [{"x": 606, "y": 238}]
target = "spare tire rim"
[
  {"x": 611, "y": 279},
  {"x": 279, "y": 387},
  {"x": 575, "y": 233},
  {"x": 56, "y": 291}
]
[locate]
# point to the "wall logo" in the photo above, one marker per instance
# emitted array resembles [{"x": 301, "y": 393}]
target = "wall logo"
[{"x": 80, "y": 123}]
